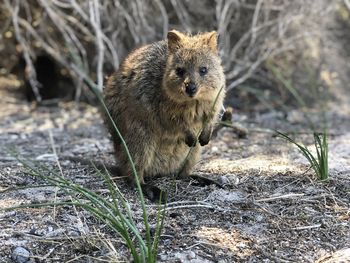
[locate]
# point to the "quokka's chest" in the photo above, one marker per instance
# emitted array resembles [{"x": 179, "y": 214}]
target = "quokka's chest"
[{"x": 191, "y": 116}]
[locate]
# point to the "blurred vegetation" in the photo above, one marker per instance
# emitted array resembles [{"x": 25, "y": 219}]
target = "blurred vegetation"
[{"x": 264, "y": 44}]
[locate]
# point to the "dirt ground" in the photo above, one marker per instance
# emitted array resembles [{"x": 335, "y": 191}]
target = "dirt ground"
[{"x": 271, "y": 208}]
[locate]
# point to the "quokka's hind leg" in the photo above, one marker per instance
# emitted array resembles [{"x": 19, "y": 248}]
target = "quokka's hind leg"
[
  {"x": 152, "y": 192},
  {"x": 139, "y": 146},
  {"x": 187, "y": 166},
  {"x": 127, "y": 170},
  {"x": 141, "y": 155},
  {"x": 187, "y": 169}
]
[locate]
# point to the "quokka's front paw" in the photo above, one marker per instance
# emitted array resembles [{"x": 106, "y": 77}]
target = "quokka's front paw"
[
  {"x": 190, "y": 139},
  {"x": 204, "y": 141},
  {"x": 205, "y": 135}
]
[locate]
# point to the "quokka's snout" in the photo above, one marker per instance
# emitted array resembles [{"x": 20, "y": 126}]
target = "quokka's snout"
[{"x": 191, "y": 89}]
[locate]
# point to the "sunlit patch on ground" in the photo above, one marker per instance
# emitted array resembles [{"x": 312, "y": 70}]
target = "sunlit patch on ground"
[
  {"x": 232, "y": 240},
  {"x": 261, "y": 163}
]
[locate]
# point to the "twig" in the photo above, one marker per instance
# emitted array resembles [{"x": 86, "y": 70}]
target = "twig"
[
  {"x": 254, "y": 22},
  {"x": 25, "y": 49},
  {"x": 189, "y": 204},
  {"x": 305, "y": 227},
  {"x": 287, "y": 196},
  {"x": 42, "y": 258},
  {"x": 53, "y": 147},
  {"x": 347, "y": 4},
  {"x": 96, "y": 22}
]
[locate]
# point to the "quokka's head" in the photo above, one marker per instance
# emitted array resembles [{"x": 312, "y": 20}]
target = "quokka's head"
[{"x": 193, "y": 69}]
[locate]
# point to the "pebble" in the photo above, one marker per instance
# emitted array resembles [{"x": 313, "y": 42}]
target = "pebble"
[
  {"x": 214, "y": 149},
  {"x": 163, "y": 257},
  {"x": 191, "y": 255},
  {"x": 20, "y": 255},
  {"x": 223, "y": 180}
]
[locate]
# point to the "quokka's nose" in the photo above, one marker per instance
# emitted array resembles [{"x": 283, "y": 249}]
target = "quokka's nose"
[{"x": 191, "y": 89}]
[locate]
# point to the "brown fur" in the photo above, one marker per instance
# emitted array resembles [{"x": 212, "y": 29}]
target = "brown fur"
[{"x": 148, "y": 102}]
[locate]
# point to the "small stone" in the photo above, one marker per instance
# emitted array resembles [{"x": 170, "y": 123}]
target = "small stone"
[
  {"x": 163, "y": 257},
  {"x": 242, "y": 245},
  {"x": 3, "y": 71},
  {"x": 223, "y": 180},
  {"x": 13, "y": 137},
  {"x": 191, "y": 255},
  {"x": 20, "y": 255},
  {"x": 8, "y": 34},
  {"x": 259, "y": 218}
]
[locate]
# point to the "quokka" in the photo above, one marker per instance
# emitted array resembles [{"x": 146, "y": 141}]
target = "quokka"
[{"x": 162, "y": 98}]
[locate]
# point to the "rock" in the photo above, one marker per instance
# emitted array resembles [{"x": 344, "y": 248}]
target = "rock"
[
  {"x": 191, "y": 255},
  {"x": 20, "y": 255},
  {"x": 223, "y": 180},
  {"x": 214, "y": 149}
]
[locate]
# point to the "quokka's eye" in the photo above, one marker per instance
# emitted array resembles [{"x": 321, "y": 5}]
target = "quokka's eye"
[
  {"x": 180, "y": 72},
  {"x": 203, "y": 71}
]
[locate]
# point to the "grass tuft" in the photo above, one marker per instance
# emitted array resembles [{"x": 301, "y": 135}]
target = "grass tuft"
[
  {"x": 113, "y": 211},
  {"x": 318, "y": 162}
]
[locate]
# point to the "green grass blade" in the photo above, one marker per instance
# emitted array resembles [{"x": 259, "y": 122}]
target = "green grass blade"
[
  {"x": 312, "y": 160},
  {"x": 318, "y": 145},
  {"x": 324, "y": 151},
  {"x": 115, "y": 190},
  {"x": 125, "y": 222},
  {"x": 159, "y": 226}
]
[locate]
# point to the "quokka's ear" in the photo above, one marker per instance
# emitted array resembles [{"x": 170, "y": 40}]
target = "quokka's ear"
[
  {"x": 174, "y": 40},
  {"x": 211, "y": 40}
]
